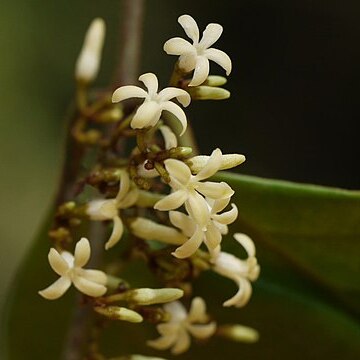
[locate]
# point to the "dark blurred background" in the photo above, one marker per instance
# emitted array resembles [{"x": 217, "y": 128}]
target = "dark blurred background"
[{"x": 293, "y": 112}]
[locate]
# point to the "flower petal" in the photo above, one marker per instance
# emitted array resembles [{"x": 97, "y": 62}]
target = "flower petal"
[
  {"x": 227, "y": 217},
  {"x": 96, "y": 276},
  {"x": 148, "y": 114},
  {"x": 214, "y": 190},
  {"x": 211, "y": 34},
  {"x": 88, "y": 287},
  {"x": 190, "y": 27},
  {"x": 198, "y": 209},
  {"x": 197, "y": 312},
  {"x": 182, "y": 343},
  {"x": 212, "y": 237},
  {"x": 172, "y": 201},
  {"x": 116, "y": 234},
  {"x": 178, "y": 46},
  {"x": 57, "y": 289},
  {"x": 82, "y": 252},
  {"x": 163, "y": 342},
  {"x": 124, "y": 186},
  {"x": 182, "y": 96},
  {"x": 169, "y": 137},
  {"x": 246, "y": 242},
  {"x": 177, "y": 111},
  {"x": 129, "y": 199},
  {"x": 182, "y": 222},
  {"x": 151, "y": 82},
  {"x": 201, "y": 71},
  {"x": 178, "y": 171},
  {"x": 211, "y": 167},
  {"x": 57, "y": 262},
  {"x": 218, "y": 204},
  {"x": 242, "y": 296},
  {"x": 190, "y": 246},
  {"x": 220, "y": 58},
  {"x": 202, "y": 331},
  {"x": 177, "y": 311},
  {"x": 127, "y": 92}
]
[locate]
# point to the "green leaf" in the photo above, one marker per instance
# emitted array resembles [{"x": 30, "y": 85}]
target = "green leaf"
[{"x": 295, "y": 318}]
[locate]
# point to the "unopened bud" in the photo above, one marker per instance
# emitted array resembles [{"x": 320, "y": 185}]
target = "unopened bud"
[
  {"x": 146, "y": 296},
  {"x": 209, "y": 93},
  {"x": 111, "y": 115},
  {"x": 141, "y": 357},
  {"x": 119, "y": 313},
  {"x": 239, "y": 333},
  {"x": 228, "y": 161},
  {"x": 180, "y": 152},
  {"x": 215, "y": 80},
  {"x": 87, "y": 65}
]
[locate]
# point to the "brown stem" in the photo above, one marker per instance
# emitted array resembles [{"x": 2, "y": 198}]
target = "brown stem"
[{"x": 130, "y": 42}]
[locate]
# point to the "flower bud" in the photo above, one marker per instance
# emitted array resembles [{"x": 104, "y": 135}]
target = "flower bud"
[
  {"x": 228, "y": 161},
  {"x": 209, "y": 93},
  {"x": 215, "y": 80},
  {"x": 239, "y": 333},
  {"x": 119, "y": 313},
  {"x": 146, "y": 296},
  {"x": 87, "y": 65}
]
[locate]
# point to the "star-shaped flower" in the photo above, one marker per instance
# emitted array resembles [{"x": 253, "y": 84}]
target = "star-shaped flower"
[
  {"x": 108, "y": 209},
  {"x": 187, "y": 188},
  {"x": 240, "y": 271},
  {"x": 196, "y": 56},
  {"x": 210, "y": 234},
  {"x": 149, "y": 112},
  {"x": 175, "y": 333},
  {"x": 70, "y": 269}
]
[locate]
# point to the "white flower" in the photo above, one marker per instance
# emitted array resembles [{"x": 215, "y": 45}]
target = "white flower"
[
  {"x": 175, "y": 333},
  {"x": 210, "y": 234},
  {"x": 241, "y": 271},
  {"x": 187, "y": 188},
  {"x": 87, "y": 65},
  {"x": 70, "y": 269},
  {"x": 149, "y": 112},
  {"x": 196, "y": 56},
  {"x": 107, "y": 209}
]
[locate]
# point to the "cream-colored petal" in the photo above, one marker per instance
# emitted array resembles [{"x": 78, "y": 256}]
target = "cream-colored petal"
[
  {"x": 246, "y": 242},
  {"x": 211, "y": 167},
  {"x": 117, "y": 232},
  {"x": 170, "y": 138},
  {"x": 190, "y": 246},
  {"x": 220, "y": 58},
  {"x": 182, "y": 96},
  {"x": 177, "y": 311},
  {"x": 151, "y": 82},
  {"x": 178, "y": 170},
  {"x": 128, "y": 92},
  {"x": 178, "y": 46},
  {"x": 197, "y": 208},
  {"x": 211, "y": 35},
  {"x": 197, "y": 312},
  {"x": 57, "y": 289},
  {"x": 163, "y": 342},
  {"x": 82, "y": 252},
  {"x": 187, "y": 62},
  {"x": 150, "y": 230},
  {"x": 201, "y": 71},
  {"x": 182, "y": 343},
  {"x": 96, "y": 276},
  {"x": 190, "y": 27},
  {"x": 212, "y": 237},
  {"x": 218, "y": 204},
  {"x": 129, "y": 199},
  {"x": 88, "y": 287},
  {"x": 124, "y": 186},
  {"x": 177, "y": 111},
  {"x": 172, "y": 201},
  {"x": 57, "y": 262},
  {"x": 214, "y": 190},
  {"x": 202, "y": 331},
  {"x": 148, "y": 114},
  {"x": 183, "y": 222},
  {"x": 168, "y": 328},
  {"x": 227, "y": 217},
  {"x": 243, "y": 295}
]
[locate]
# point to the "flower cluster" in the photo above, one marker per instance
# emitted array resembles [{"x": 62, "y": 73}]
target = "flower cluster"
[{"x": 167, "y": 203}]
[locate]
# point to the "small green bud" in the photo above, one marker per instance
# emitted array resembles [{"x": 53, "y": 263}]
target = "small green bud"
[
  {"x": 119, "y": 313},
  {"x": 208, "y": 93},
  {"x": 113, "y": 114},
  {"x": 146, "y": 296},
  {"x": 215, "y": 80}
]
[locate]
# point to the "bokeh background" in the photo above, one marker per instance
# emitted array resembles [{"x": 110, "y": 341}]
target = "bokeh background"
[{"x": 294, "y": 109}]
